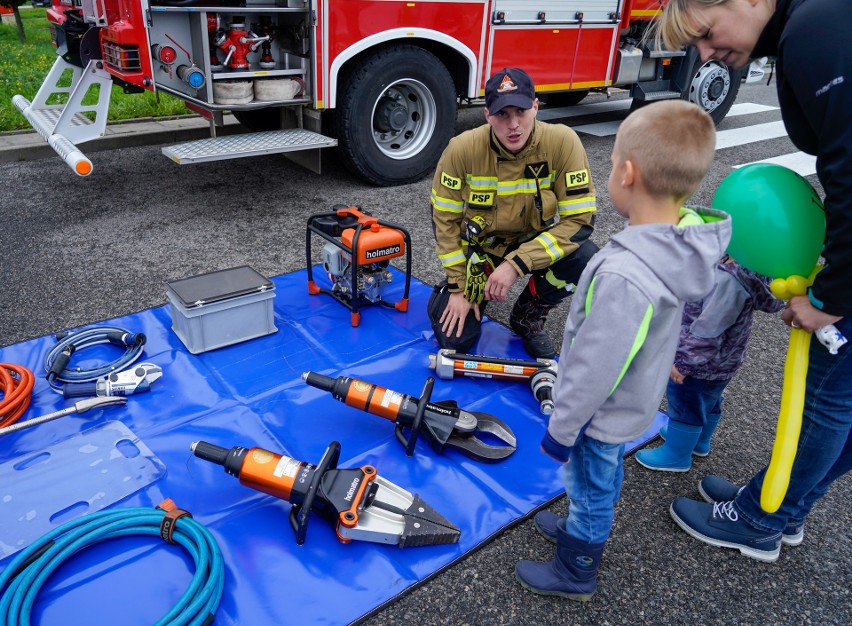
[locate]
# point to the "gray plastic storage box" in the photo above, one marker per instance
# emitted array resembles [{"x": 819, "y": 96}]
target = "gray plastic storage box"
[{"x": 221, "y": 308}]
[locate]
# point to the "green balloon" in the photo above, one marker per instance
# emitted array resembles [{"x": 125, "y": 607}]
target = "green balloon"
[{"x": 777, "y": 220}]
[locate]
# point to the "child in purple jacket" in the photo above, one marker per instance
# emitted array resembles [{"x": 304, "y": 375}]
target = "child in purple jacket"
[{"x": 714, "y": 336}]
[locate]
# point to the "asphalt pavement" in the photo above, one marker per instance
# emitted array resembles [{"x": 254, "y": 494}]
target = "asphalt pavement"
[{"x": 80, "y": 250}]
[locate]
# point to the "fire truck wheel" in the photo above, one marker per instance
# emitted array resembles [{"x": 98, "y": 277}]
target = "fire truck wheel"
[
  {"x": 396, "y": 113},
  {"x": 713, "y": 87}
]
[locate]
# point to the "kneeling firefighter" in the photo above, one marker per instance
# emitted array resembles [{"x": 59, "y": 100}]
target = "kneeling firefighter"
[{"x": 510, "y": 198}]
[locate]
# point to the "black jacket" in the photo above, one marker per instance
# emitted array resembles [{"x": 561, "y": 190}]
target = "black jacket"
[{"x": 812, "y": 43}]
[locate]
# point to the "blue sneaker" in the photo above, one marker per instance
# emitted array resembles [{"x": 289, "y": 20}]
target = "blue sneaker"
[
  {"x": 717, "y": 489},
  {"x": 719, "y": 524}
]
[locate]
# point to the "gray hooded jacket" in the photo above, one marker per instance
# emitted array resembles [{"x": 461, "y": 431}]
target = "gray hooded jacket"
[{"x": 622, "y": 329}]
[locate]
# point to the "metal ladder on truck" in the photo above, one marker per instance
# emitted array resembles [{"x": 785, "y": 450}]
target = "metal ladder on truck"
[{"x": 63, "y": 126}]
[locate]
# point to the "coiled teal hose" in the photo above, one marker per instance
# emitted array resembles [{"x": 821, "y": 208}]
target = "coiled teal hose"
[{"x": 22, "y": 579}]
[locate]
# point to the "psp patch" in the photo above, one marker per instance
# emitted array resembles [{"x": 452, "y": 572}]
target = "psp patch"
[
  {"x": 483, "y": 199},
  {"x": 450, "y": 182},
  {"x": 576, "y": 178}
]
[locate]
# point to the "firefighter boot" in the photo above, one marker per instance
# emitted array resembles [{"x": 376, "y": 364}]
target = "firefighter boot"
[
  {"x": 527, "y": 320},
  {"x": 571, "y": 574}
]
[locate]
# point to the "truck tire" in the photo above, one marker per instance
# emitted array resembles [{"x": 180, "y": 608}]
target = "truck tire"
[
  {"x": 713, "y": 87},
  {"x": 396, "y": 113}
]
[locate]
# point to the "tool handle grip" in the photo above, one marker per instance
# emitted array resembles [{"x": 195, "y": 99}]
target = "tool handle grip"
[
  {"x": 210, "y": 452},
  {"x": 80, "y": 390},
  {"x": 320, "y": 381}
]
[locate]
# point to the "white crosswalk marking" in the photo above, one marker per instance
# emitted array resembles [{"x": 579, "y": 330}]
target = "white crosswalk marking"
[
  {"x": 584, "y": 109},
  {"x": 749, "y": 134},
  {"x": 607, "y": 129},
  {"x": 799, "y": 162},
  {"x": 747, "y": 108}
]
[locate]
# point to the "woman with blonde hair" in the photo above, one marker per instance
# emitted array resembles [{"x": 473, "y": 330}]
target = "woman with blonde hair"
[{"x": 809, "y": 41}]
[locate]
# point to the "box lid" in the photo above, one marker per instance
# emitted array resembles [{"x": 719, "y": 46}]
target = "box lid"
[{"x": 219, "y": 285}]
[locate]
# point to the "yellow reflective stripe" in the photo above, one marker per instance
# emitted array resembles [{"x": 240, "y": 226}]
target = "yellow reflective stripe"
[
  {"x": 551, "y": 246},
  {"x": 452, "y": 258},
  {"x": 551, "y": 278},
  {"x": 446, "y": 204},
  {"x": 523, "y": 185},
  {"x": 641, "y": 334},
  {"x": 480, "y": 183},
  {"x": 580, "y": 205}
]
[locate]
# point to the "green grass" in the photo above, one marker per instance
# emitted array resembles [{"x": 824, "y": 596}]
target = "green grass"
[{"x": 24, "y": 66}]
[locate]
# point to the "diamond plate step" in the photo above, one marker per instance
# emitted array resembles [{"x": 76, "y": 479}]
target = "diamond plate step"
[
  {"x": 661, "y": 95},
  {"x": 247, "y": 145}
]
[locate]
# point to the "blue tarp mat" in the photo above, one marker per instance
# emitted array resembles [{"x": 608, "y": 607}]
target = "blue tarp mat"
[{"x": 252, "y": 394}]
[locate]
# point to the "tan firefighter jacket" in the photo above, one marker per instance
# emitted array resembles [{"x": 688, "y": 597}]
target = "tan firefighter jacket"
[{"x": 540, "y": 198}]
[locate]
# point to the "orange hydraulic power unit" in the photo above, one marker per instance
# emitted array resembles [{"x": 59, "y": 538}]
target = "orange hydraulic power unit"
[{"x": 356, "y": 258}]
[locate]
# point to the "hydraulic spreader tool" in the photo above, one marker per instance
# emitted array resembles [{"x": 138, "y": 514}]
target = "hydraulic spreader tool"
[
  {"x": 541, "y": 373},
  {"x": 443, "y": 423},
  {"x": 358, "y": 502}
]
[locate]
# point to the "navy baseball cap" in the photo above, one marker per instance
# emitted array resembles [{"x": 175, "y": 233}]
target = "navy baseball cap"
[{"x": 510, "y": 86}]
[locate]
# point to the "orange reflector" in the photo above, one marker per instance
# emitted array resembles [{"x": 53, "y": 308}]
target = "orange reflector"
[
  {"x": 667, "y": 61},
  {"x": 83, "y": 168}
]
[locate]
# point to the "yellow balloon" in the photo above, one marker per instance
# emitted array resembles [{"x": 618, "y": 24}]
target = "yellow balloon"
[
  {"x": 777, "y": 477},
  {"x": 779, "y": 289},
  {"x": 797, "y": 285}
]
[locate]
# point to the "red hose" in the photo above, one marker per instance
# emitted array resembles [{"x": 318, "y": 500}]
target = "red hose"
[{"x": 16, "y": 383}]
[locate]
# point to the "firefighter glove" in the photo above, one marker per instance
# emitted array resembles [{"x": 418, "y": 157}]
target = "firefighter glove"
[{"x": 474, "y": 286}]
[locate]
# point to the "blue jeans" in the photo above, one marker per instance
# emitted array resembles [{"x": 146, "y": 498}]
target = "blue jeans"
[
  {"x": 825, "y": 451},
  {"x": 593, "y": 483},
  {"x": 691, "y": 402}
]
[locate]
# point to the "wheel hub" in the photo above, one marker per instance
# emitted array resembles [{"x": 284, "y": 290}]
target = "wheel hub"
[
  {"x": 404, "y": 118},
  {"x": 710, "y": 86},
  {"x": 391, "y": 116}
]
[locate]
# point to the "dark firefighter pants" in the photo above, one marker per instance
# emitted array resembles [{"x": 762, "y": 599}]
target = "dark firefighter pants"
[{"x": 552, "y": 284}]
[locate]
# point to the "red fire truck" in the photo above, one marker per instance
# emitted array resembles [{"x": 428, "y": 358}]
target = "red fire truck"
[{"x": 380, "y": 79}]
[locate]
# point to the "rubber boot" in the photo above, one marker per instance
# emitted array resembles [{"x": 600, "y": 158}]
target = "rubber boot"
[
  {"x": 571, "y": 574},
  {"x": 527, "y": 320},
  {"x": 546, "y": 523},
  {"x": 702, "y": 447},
  {"x": 675, "y": 455}
]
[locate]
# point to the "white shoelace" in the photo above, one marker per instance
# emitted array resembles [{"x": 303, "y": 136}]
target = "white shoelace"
[{"x": 725, "y": 509}]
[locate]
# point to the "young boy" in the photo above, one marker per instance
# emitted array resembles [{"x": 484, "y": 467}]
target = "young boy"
[
  {"x": 714, "y": 335},
  {"x": 622, "y": 331}
]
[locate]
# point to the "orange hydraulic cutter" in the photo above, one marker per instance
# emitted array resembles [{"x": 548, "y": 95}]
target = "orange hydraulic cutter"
[{"x": 356, "y": 257}]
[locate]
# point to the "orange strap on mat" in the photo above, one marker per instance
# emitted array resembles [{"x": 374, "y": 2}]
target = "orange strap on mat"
[
  {"x": 16, "y": 382},
  {"x": 173, "y": 514}
]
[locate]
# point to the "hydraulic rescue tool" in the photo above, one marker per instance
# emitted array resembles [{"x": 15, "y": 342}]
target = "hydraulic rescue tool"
[
  {"x": 443, "y": 423},
  {"x": 81, "y": 406},
  {"x": 357, "y": 256},
  {"x": 124, "y": 383},
  {"x": 357, "y": 501},
  {"x": 540, "y": 373}
]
